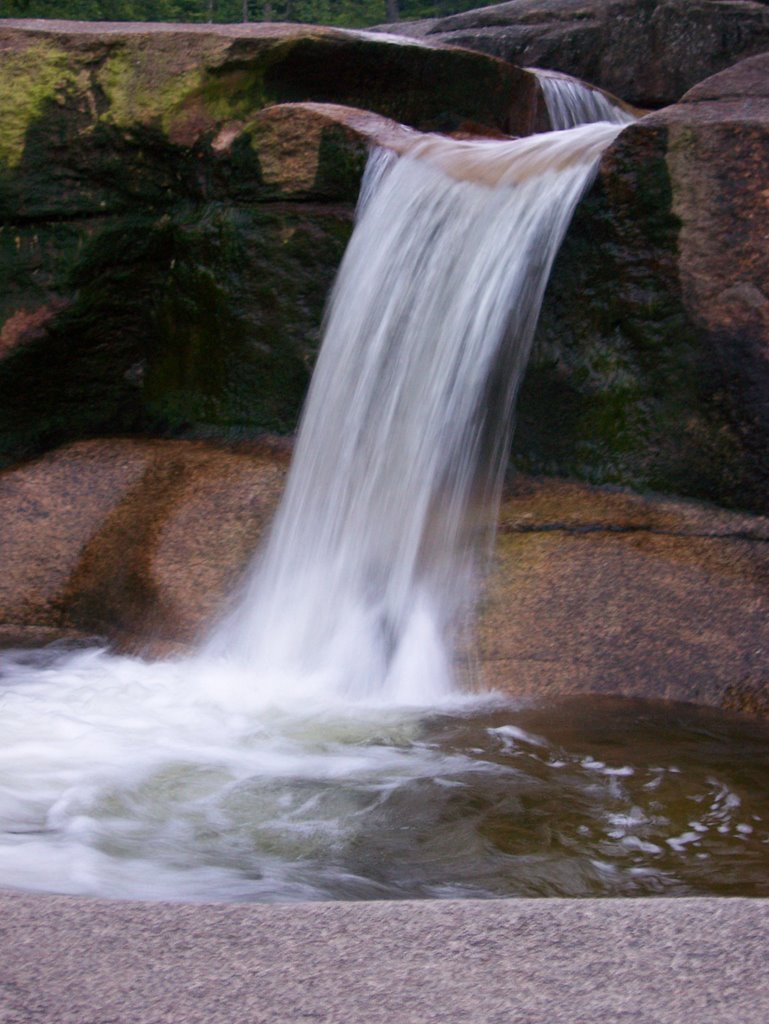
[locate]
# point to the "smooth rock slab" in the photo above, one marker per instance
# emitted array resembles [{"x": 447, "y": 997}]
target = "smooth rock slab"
[
  {"x": 138, "y": 541},
  {"x": 609, "y": 592},
  {"x": 590, "y": 590},
  {"x": 78, "y": 961},
  {"x": 171, "y": 221}
]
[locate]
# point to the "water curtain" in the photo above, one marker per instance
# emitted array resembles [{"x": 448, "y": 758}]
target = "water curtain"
[
  {"x": 571, "y": 102},
  {"x": 366, "y": 583}
]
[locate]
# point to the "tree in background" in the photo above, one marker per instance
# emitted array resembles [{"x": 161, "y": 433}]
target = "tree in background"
[{"x": 347, "y": 13}]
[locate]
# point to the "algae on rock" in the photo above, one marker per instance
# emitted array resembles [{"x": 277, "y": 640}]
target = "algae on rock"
[{"x": 170, "y": 225}]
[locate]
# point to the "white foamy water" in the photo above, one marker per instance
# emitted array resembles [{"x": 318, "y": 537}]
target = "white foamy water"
[
  {"x": 571, "y": 102},
  {"x": 227, "y": 774},
  {"x": 370, "y": 571}
]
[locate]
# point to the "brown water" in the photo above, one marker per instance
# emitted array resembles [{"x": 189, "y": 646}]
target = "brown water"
[{"x": 586, "y": 797}]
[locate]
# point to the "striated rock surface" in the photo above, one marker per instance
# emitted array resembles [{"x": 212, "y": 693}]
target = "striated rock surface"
[
  {"x": 651, "y": 366},
  {"x": 591, "y": 590},
  {"x": 608, "y": 592},
  {"x": 169, "y": 229},
  {"x": 649, "y": 52},
  {"x": 136, "y": 541}
]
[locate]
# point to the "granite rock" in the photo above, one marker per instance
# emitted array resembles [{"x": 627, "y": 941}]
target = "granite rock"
[
  {"x": 142, "y": 543},
  {"x": 649, "y": 52},
  {"x": 650, "y": 363}
]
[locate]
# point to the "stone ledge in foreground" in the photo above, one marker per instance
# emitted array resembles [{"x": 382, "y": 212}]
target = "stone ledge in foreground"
[{"x": 655, "y": 961}]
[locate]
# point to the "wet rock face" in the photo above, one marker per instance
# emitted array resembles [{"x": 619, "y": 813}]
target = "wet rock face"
[
  {"x": 169, "y": 230},
  {"x": 142, "y": 542},
  {"x": 158, "y": 322},
  {"x": 652, "y": 348},
  {"x": 649, "y": 52},
  {"x": 166, "y": 246},
  {"x": 168, "y": 242}
]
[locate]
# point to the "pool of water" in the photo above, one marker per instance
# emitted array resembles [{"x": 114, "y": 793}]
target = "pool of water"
[{"x": 147, "y": 787}]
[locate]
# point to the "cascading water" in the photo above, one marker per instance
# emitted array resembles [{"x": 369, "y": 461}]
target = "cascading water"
[
  {"x": 280, "y": 762},
  {"x": 370, "y": 568},
  {"x": 571, "y": 103}
]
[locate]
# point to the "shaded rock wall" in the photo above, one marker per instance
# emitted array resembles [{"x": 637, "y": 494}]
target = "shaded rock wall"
[
  {"x": 168, "y": 245},
  {"x": 207, "y": 315},
  {"x": 651, "y": 366}
]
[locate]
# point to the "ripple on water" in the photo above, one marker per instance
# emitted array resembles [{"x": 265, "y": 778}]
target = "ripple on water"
[{"x": 119, "y": 778}]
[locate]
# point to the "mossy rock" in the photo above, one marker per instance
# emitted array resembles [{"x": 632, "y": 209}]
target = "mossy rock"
[
  {"x": 650, "y": 363},
  {"x": 617, "y": 390},
  {"x": 200, "y": 319},
  {"x": 96, "y": 118},
  {"x": 195, "y": 317},
  {"x": 169, "y": 228}
]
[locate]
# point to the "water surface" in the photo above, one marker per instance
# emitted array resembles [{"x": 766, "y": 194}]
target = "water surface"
[{"x": 123, "y": 778}]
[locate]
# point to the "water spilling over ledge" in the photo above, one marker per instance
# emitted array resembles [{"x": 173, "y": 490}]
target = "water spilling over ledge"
[
  {"x": 571, "y": 102},
  {"x": 319, "y": 746},
  {"x": 370, "y": 570}
]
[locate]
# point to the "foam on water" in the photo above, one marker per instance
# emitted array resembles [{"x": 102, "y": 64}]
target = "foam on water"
[
  {"x": 124, "y": 777},
  {"x": 370, "y": 570}
]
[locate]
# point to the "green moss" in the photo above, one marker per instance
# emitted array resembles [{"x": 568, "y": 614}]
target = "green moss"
[
  {"x": 235, "y": 92},
  {"x": 29, "y": 79},
  {"x": 202, "y": 319},
  {"x": 234, "y": 95},
  {"x": 237, "y": 318},
  {"x": 623, "y": 388},
  {"x": 35, "y": 262},
  {"x": 160, "y": 86},
  {"x": 341, "y": 163},
  {"x": 143, "y": 88}
]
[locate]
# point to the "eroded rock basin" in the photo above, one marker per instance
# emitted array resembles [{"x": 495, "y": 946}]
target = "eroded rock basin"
[
  {"x": 121, "y": 778},
  {"x": 165, "y": 779}
]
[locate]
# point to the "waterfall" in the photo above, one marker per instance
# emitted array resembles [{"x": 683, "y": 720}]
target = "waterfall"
[
  {"x": 370, "y": 570},
  {"x": 571, "y": 102},
  {"x": 270, "y": 764}
]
